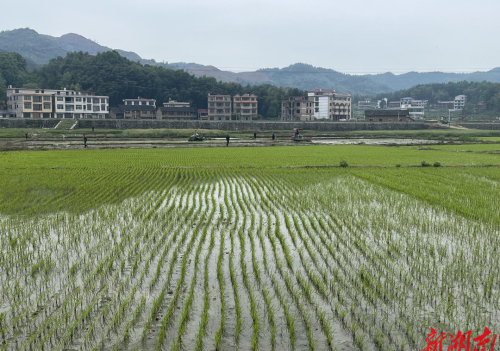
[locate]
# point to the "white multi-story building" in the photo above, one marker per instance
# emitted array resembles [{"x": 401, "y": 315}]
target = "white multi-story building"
[
  {"x": 414, "y": 107},
  {"x": 77, "y": 104},
  {"x": 460, "y": 102},
  {"x": 139, "y": 102},
  {"x": 328, "y": 104},
  {"x": 50, "y": 103}
]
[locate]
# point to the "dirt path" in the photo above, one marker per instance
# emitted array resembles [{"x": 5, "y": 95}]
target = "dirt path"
[{"x": 458, "y": 127}]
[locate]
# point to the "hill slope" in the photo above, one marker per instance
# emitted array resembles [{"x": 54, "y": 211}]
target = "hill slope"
[{"x": 38, "y": 49}]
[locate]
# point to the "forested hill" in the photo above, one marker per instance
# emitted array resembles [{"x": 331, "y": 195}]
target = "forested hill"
[
  {"x": 38, "y": 49},
  {"x": 487, "y": 92},
  {"x": 109, "y": 73},
  {"x": 410, "y": 79}
]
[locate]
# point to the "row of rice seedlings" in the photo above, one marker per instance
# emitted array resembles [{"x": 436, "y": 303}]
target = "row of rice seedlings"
[
  {"x": 374, "y": 285},
  {"x": 251, "y": 208},
  {"x": 206, "y": 286},
  {"x": 290, "y": 285},
  {"x": 274, "y": 237},
  {"x": 121, "y": 304},
  {"x": 278, "y": 290},
  {"x": 320, "y": 313},
  {"x": 305, "y": 240},
  {"x": 157, "y": 302},
  {"x": 75, "y": 299},
  {"x": 44, "y": 292},
  {"x": 188, "y": 303},
  {"x": 167, "y": 319},
  {"x": 241, "y": 203}
]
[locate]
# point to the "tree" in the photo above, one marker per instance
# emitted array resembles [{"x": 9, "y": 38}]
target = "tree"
[
  {"x": 3, "y": 90},
  {"x": 110, "y": 74},
  {"x": 271, "y": 112},
  {"x": 468, "y": 109}
]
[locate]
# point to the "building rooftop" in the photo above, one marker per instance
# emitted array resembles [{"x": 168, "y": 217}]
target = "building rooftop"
[
  {"x": 140, "y": 99},
  {"x": 137, "y": 107},
  {"x": 322, "y": 91}
]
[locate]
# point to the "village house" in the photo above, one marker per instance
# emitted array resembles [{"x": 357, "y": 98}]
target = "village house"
[
  {"x": 297, "y": 108},
  {"x": 176, "y": 110},
  {"x": 219, "y": 107},
  {"x": 245, "y": 107},
  {"x": 388, "y": 115}
]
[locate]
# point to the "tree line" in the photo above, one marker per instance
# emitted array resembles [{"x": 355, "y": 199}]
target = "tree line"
[
  {"x": 110, "y": 74},
  {"x": 476, "y": 92}
]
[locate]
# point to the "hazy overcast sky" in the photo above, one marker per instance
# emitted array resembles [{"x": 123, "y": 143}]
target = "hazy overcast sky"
[{"x": 357, "y": 36}]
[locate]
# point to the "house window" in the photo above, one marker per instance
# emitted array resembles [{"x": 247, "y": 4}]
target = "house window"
[
  {"x": 46, "y": 106},
  {"x": 78, "y": 107},
  {"x": 27, "y": 98},
  {"x": 78, "y": 99},
  {"x": 316, "y": 109},
  {"x": 59, "y": 115},
  {"x": 298, "y": 111},
  {"x": 60, "y": 98},
  {"x": 27, "y": 105},
  {"x": 60, "y": 107},
  {"x": 26, "y": 115},
  {"x": 46, "y": 98}
]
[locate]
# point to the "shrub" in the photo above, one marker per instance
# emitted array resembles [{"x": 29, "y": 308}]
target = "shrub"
[
  {"x": 437, "y": 164},
  {"x": 425, "y": 164},
  {"x": 343, "y": 164}
]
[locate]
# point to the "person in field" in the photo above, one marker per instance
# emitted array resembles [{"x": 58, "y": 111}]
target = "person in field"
[
  {"x": 227, "y": 140},
  {"x": 84, "y": 141}
]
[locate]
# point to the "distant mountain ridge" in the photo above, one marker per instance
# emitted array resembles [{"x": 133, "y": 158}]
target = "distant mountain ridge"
[{"x": 38, "y": 49}]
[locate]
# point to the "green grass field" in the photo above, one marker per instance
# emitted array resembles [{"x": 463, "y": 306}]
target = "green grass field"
[{"x": 270, "y": 248}]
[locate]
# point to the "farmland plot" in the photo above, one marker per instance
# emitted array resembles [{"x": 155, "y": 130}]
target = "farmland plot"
[{"x": 224, "y": 259}]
